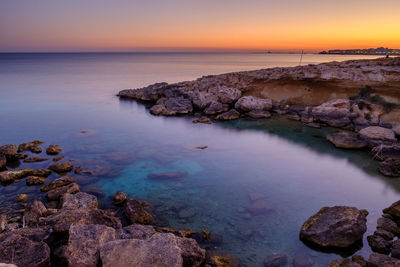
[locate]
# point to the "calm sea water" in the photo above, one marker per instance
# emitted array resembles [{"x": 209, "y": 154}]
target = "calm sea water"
[{"x": 53, "y": 97}]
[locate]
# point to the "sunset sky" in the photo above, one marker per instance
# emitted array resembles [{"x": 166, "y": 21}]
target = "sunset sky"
[{"x": 174, "y": 25}]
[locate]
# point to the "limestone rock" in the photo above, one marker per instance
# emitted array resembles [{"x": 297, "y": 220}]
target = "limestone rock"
[
  {"x": 56, "y": 193},
  {"x": 338, "y": 227},
  {"x": 79, "y": 200},
  {"x": 7, "y": 177},
  {"x": 34, "y": 159},
  {"x": 31, "y": 146},
  {"x": 3, "y": 222},
  {"x": 377, "y": 133},
  {"x": 53, "y": 150},
  {"x": 3, "y": 161},
  {"x": 35, "y": 180},
  {"x": 249, "y": 103},
  {"x": 179, "y": 105},
  {"x": 347, "y": 140},
  {"x": 215, "y": 108},
  {"x": 62, "y": 181},
  {"x": 228, "y": 95},
  {"x": 135, "y": 212},
  {"x": 203, "y": 119},
  {"x": 9, "y": 151},
  {"x": 393, "y": 210},
  {"x": 379, "y": 244},
  {"x": 346, "y": 262},
  {"x": 390, "y": 167},
  {"x": 259, "y": 114},
  {"x": 232, "y": 114},
  {"x": 119, "y": 198},
  {"x": 22, "y": 197},
  {"x": 381, "y": 260},
  {"x": 33, "y": 212},
  {"x": 61, "y": 167},
  {"x": 136, "y": 231}
]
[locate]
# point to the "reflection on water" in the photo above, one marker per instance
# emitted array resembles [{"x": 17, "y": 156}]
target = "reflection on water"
[{"x": 254, "y": 185}]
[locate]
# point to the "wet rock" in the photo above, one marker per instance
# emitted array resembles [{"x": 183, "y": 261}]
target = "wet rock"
[
  {"x": 335, "y": 113},
  {"x": 135, "y": 212},
  {"x": 215, "y": 108},
  {"x": 3, "y": 222},
  {"x": 387, "y": 151},
  {"x": 55, "y": 159},
  {"x": 167, "y": 175},
  {"x": 203, "y": 119},
  {"x": 33, "y": 212},
  {"x": 381, "y": 260},
  {"x": 9, "y": 151},
  {"x": 260, "y": 206},
  {"x": 57, "y": 183},
  {"x": 35, "y": 180},
  {"x": 119, "y": 198},
  {"x": 396, "y": 249},
  {"x": 136, "y": 231},
  {"x": 31, "y": 146},
  {"x": 344, "y": 263},
  {"x": 79, "y": 200},
  {"x": 249, "y": 103},
  {"x": 313, "y": 125},
  {"x": 159, "y": 248},
  {"x": 293, "y": 116},
  {"x": 338, "y": 227},
  {"x": 228, "y": 95},
  {"x": 301, "y": 262},
  {"x": 259, "y": 114},
  {"x": 208, "y": 239},
  {"x": 84, "y": 242},
  {"x": 360, "y": 260},
  {"x": 384, "y": 234},
  {"x": 379, "y": 244},
  {"x": 232, "y": 114},
  {"x": 93, "y": 190},
  {"x": 24, "y": 252},
  {"x": 8, "y": 177},
  {"x": 56, "y": 193},
  {"x": 41, "y": 172},
  {"x": 64, "y": 218},
  {"x": 191, "y": 253},
  {"x": 276, "y": 260},
  {"x": 3, "y": 161},
  {"x": 22, "y": 197},
  {"x": 346, "y": 140},
  {"x": 53, "y": 150},
  {"x": 390, "y": 167},
  {"x": 393, "y": 210},
  {"x": 216, "y": 259},
  {"x": 62, "y": 167},
  {"x": 78, "y": 169},
  {"x": 377, "y": 134},
  {"x": 34, "y": 159},
  {"x": 388, "y": 225}
]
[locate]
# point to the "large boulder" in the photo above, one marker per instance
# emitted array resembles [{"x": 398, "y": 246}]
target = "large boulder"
[
  {"x": 393, "y": 210},
  {"x": 135, "y": 212},
  {"x": 136, "y": 231},
  {"x": 249, "y": 103},
  {"x": 336, "y": 227},
  {"x": 79, "y": 200},
  {"x": 379, "y": 244},
  {"x": 228, "y": 95},
  {"x": 84, "y": 242},
  {"x": 347, "y": 140},
  {"x": 377, "y": 134},
  {"x": 335, "y": 113},
  {"x": 21, "y": 251}
]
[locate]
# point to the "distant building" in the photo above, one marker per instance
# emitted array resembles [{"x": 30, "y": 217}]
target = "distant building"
[{"x": 367, "y": 51}]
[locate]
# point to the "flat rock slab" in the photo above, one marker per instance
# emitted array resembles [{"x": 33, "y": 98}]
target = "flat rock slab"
[
  {"x": 347, "y": 140},
  {"x": 336, "y": 227},
  {"x": 378, "y": 133}
]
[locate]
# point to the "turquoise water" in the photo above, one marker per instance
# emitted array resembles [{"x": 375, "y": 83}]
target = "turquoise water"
[{"x": 53, "y": 97}]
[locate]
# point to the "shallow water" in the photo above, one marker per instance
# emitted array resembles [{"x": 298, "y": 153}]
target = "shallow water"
[{"x": 53, "y": 97}]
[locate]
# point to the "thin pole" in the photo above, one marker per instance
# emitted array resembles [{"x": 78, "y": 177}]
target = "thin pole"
[{"x": 301, "y": 57}]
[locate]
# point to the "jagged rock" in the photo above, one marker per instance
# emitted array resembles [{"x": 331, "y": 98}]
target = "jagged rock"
[
  {"x": 390, "y": 167},
  {"x": 335, "y": 113},
  {"x": 215, "y": 108},
  {"x": 61, "y": 167},
  {"x": 393, "y": 210},
  {"x": 149, "y": 93},
  {"x": 381, "y": 260},
  {"x": 119, "y": 198},
  {"x": 79, "y": 200},
  {"x": 22, "y": 197},
  {"x": 379, "y": 244},
  {"x": 84, "y": 242},
  {"x": 167, "y": 175},
  {"x": 34, "y": 159},
  {"x": 8, "y": 177},
  {"x": 136, "y": 231},
  {"x": 249, "y": 103},
  {"x": 276, "y": 260},
  {"x": 384, "y": 234},
  {"x": 31, "y": 146},
  {"x": 53, "y": 150},
  {"x": 55, "y": 159},
  {"x": 135, "y": 212},
  {"x": 346, "y": 262},
  {"x": 346, "y": 140},
  {"x": 56, "y": 193},
  {"x": 179, "y": 105},
  {"x": 228, "y": 95},
  {"x": 62, "y": 181},
  {"x": 33, "y": 212},
  {"x": 360, "y": 260},
  {"x": 388, "y": 225},
  {"x": 35, "y": 180},
  {"x": 377, "y": 134},
  {"x": 203, "y": 119},
  {"x": 259, "y": 114},
  {"x": 9, "y": 151},
  {"x": 338, "y": 227},
  {"x": 232, "y": 114},
  {"x": 64, "y": 218}
]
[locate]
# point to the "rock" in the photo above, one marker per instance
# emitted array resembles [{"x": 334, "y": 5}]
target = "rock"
[
  {"x": 79, "y": 200},
  {"x": 337, "y": 227},
  {"x": 24, "y": 252},
  {"x": 396, "y": 249},
  {"x": 201, "y": 147},
  {"x": 301, "y": 262},
  {"x": 167, "y": 175},
  {"x": 33, "y": 212},
  {"x": 172, "y": 106},
  {"x": 191, "y": 253},
  {"x": 388, "y": 225},
  {"x": 64, "y": 218},
  {"x": 7, "y": 265},
  {"x": 3, "y": 222},
  {"x": 53, "y": 150},
  {"x": 347, "y": 140},
  {"x": 387, "y": 151},
  {"x": 84, "y": 242},
  {"x": 393, "y": 210},
  {"x": 377, "y": 134},
  {"x": 228, "y": 95},
  {"x": 346, "y": 262},
  {"x": 335, "y": 113},
  {"x": 260, "y": 206},
  {"x": 203, "y": 119},
  {"x": 160, "y": 109},
  {"x": 360, "y": 260},
  {"x": 55, "y": 159},
  {"x": 276, "y": 260},
  {"x": 3, "y": 161},
  {"x": 381, "y": 260},
  {"x": 396, "y": 129},
  {"x": 22, "y": 197},
  {"x": 136, "y": 231},
  {"x": 31, "y": 146},
  {"x": 313, "y": 125},
  {"x": 8, "y": 177},
  {"x": 135, "y": 212},
  {"x": 249, "y": 103},
  {"x": 215, "y": 108},
  {"x": 56, "y": 193},
  {"x": 62, "y": 181},
  {"x": 119, "y": 198},
  {"x": 158, "y": 250},
  {"x": 9, "y": 151},
  {"x": 216, "y": 259},
  {"x": 379, "y": 244},
  {"x": 78, "y": 169},
  {"x": 61, "y": 167},
  {"x": 229, "y": 115},
  {"x": 41, "y": 172},
  {"x": 34, "y": 159},
  {"x": 259, "y": 114},
  {"x": 93, "y": 190},
  {"x": 35, "y": 180},
  {"x": 293, "y": 116},
  {"x": 385, "y": 234},
  {"x": 390, "y": 167}
]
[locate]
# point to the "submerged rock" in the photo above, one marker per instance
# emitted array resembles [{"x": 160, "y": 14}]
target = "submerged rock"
[
  {"x": 135, "y": 212},
  {"x": 53, "y": 150},
  {"x": 337, "y": 227},
  {"x": 34, "y": 159},
  {"x": 62, "y": 167},
  {"x": 249, "y": 103},
  {"x": 22, "y": 197},
  {"x": 8, "y": 177},
  {"x": 229, "y": 115},
  {"x": 56, "y": 193},
  {"x": 167, "y": 175},
  {"x": 136, "y": 231},
  {"x": 346, "y": 140},
  {"x": 62, "y": 181},
  {"x": 276, "y": 260},
  {"x": 203, "y": 119},
  {"x": 216, "y": 259},
  {"x": 260, "y": 206}
]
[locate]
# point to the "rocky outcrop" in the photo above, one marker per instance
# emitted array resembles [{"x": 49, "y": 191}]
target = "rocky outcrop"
[
  {"x": 335, "y": 113},
  {"x": 336, "y": 227},
  {"x": 390, "y": 167},
  {"x": 347, "y": 140}
]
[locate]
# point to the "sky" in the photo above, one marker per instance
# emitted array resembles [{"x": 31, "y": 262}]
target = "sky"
[{"x": 197, "y": 25}]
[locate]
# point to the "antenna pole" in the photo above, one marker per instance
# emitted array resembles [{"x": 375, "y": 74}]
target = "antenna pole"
[{"x": 301, "y": 57}]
